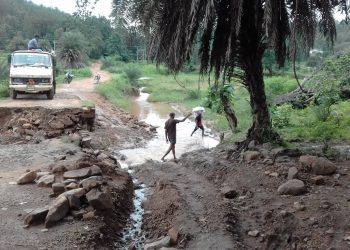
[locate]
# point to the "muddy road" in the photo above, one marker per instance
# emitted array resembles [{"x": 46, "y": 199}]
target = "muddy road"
[{"x": 40, "y": 135}]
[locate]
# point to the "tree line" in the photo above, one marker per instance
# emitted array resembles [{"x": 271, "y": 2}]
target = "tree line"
[{"x": 74, "y": 37}]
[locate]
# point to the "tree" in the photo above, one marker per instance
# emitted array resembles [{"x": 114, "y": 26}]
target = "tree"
[
  {"x": 234, "y": 34},
  {"x": 72, "y": 49}
]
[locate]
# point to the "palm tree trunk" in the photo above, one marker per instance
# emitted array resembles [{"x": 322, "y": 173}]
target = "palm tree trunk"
[
  {"x": 261, "y": 129},
  {"x": 252, "y": 50},
  {"x": 230, "y": 113}
]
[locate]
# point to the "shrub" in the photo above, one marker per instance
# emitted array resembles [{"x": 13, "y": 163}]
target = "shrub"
[
  {"x": 133, "y": 73},
  {"x": 281, "y": 116}
]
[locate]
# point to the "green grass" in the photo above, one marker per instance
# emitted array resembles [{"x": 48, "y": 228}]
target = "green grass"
[
  {"x": 116, "y": 91},
  {"x": 87, "y": 104},
  {"x": 4, "y": 92},
  {"x": 304, "y": 124},
  {"x": 183, "y": 90}
]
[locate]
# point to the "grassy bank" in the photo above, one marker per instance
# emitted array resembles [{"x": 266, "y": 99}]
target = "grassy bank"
[{"x": 188, "y": 90}]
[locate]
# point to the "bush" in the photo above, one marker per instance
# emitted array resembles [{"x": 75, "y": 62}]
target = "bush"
[
  {"x": 193, "y": 94},
  {"x": 4, "y": 91},
  {"x": 133, "y": 73},
  {"x": 115, "y": 90},
  {"x": 281, "y": 116}
]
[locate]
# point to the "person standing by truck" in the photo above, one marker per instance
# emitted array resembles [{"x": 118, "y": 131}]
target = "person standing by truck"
[{"x": 33, "y": 44}]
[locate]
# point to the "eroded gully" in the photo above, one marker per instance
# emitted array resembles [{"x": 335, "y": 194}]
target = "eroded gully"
[{"x": 156, "y": 114}]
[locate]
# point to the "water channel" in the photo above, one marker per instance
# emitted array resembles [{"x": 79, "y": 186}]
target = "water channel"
[{"x": 156, "y": 114}]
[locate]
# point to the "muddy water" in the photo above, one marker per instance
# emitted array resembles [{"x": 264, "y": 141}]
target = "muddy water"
[{"x": 156, "y": 114}]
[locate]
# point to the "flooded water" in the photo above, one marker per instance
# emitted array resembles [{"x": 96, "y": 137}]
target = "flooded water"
[{"x": 156, "y": 114}]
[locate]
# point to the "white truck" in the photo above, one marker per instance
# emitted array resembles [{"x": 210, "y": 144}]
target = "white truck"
[{"x": 33, "y": 72}]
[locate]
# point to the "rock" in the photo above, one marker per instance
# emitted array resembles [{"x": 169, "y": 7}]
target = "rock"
[
  {"x": 67, "y": 122},
  {"x": 292, "y": 187},
  {"x": 229, "y": 193},
  {"x": 46, "y": 180},
  {"x": 330, "y": 231},
  {"x": 57, "y": 210},
  {"x": 102, "y": 157},
  {"x": 168, "y": 248},
  {"x": 60, "y": 157},
  {"x": 86, "y": 142},
  {"x": 318, "y": 180},
  {"x": 69, "y": 181},
  {"x": 72, "y": 185},
  {"x": 59, "y": 169},
  {"x": 77, "y": 174},
  {"x": 27, "y": 126},
  {"x": 58, "y": 188},
  {"x": 274, "y": 174},
  {"x": 79, "y": 192},
  {"x": 75, "y": 138},
  {"x": 78, "y": 214},
  {"x": 89, "y": 215},
  {"x": 292, "y": 173},
  {"x": 251, "y": 155},
  {"x": 27, "y": 178},
  {"x": 91, "y": 182},
  {"x": 253, "y": 233},
  {"x": 173, "y": 233},
  {"x": 307, "y": 160},
  {"x": 41, "y": 174},
  {"x": 252, "y": 145},
  {"x": 21, "y": 121},
  {"x": 74, "y": 202},
  {"x": 95, "y": 170},
  {"x": 99, "y": 200},
  {"x": 347, "y": 238},
  {"x": 56, "y": 124},
  {"x": 298, "y": 206},
  {"x": 29, "y": 132},
  {"x": 37, "y": 216},
  {"x": 164, "y": 242},
  {"x": 322, "y": 166},
  {"x": 268, "y": 161}
]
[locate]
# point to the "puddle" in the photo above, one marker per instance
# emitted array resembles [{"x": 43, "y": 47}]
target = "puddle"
[{"x": 156, "y": 114}]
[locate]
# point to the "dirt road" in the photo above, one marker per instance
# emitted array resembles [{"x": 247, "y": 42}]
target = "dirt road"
[
  {"x": 113, "y": 128},
  {"x": 219, "y": 203}
]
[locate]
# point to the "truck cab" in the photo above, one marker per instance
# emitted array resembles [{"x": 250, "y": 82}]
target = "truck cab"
[{"x": 32, "y": 71}]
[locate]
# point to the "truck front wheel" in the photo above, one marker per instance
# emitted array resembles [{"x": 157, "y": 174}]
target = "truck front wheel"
[
  {"x": 13, "y": 94},
  {"x": 50, "y": 94}
]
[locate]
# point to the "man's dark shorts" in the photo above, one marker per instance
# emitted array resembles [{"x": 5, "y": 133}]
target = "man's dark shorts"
[{"x": 172, "y": 141}]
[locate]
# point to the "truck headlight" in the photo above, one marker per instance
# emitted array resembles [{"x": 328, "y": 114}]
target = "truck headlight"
[
  {"x": 18, "y": 81},
  {"x": 44, "y": 81}
]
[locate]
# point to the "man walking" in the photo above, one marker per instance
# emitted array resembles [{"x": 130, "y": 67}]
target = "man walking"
[
  {"x": 33, "y": 44},
  {"x": 170, "y": 133}
]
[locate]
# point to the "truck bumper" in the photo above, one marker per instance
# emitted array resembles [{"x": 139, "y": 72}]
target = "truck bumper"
[{"x": 31, "y": 89}]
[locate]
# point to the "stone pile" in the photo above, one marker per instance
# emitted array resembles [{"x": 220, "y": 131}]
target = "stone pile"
[
  {"x": 73, "y": 190},
  {"x": 315, "y": 167},
  {"x": 38, "y": 123}
]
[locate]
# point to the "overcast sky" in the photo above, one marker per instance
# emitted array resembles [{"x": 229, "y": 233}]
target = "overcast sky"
[{"x": 103, "y": 7}]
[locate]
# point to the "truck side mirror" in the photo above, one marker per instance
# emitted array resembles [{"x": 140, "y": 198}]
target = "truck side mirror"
[{"x": 9, "y": 58}]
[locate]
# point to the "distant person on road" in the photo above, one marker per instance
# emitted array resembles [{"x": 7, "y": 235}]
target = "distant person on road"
[
  {"x": 170, "y": 133},
  {"x": 199, "y": 124},
  {"x": 33, "y": 44}
]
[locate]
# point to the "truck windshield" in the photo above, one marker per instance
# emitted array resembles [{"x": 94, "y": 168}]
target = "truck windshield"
[{"x": 33, "y": 60}]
